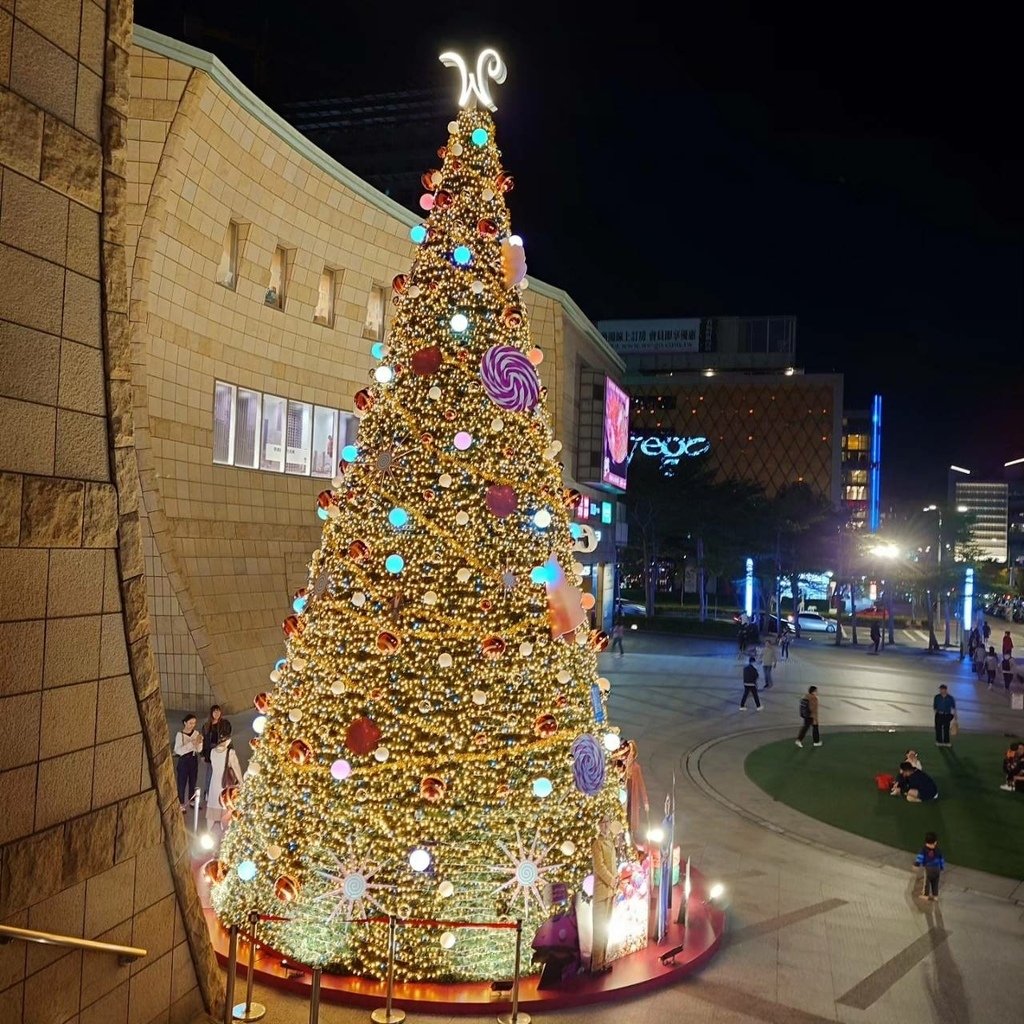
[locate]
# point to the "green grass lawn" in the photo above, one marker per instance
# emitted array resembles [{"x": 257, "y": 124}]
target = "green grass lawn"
[{"x": 978, "y": 824}]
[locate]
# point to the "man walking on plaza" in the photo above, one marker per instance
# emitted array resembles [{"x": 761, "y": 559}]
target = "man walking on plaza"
[
  {"x": 944, "y": 706},
  {"x": 809, "y": 713},
  {"x": 1007, "y": 645},
  {"x": 750, "y": 677},
  {"x": 876, "y": 636},
  {"x": 769, "y": 660}
]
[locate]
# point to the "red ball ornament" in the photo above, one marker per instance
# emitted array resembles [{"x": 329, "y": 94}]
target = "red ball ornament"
[
  {"x": 325, "y": 499},
  {"x": 292, "y": 626},
  {"x": 430, "y": 179},
  {"x": 501, "y": 500},
  {"x": 485, "y": 605},
  {"x": 428, "y": 495},
  {"x": 513, "y": 318},
  {"x": 400, "y": 283},
  {"x": 505, "y": 182},
  {"x": 215, "y": 871},
  {"x": 432, "y": 788},
  {"x": 442, "y": 200},
  {"x": 358, "y": 550},
  {"x": 300, "y": 752},
  {"x": 262, "y": 702},
  {"x": 362, "y": 736},
  {"x": 562, "y": 701},
  {"x": 388, "y": 642},
  {"x": 572, "y": 497},
  {"x": 254, "y": 742},
  {"x": 286, "y": 889},
  {"x": 427, "y": 440},
  {"x": 493, "y": 647},
  {"x": 598, "y": 639},
  {"x": 426, "y": 361},
  {"x": 487, "y": 228},
  {"x": 545, "y": 726},
  {"x": 229, "y": 797},
  {"x": 363, "y": 401},
  {"x": 442, "y": 152}
]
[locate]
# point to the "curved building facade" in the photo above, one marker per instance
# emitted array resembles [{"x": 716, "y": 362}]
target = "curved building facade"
[{"x": 259, "y": 272}]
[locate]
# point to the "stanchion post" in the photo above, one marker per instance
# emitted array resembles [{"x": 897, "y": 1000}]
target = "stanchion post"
[
  {"x": 314, "y": 998},
  {"x": 229, "y": 987},
  {"x": 686, "y": 899},
  {"x": 515, "y": 1017},
  {"x": 385, "y": 1014},
  {"x": 195, "y": 817},
  {"x": 250, "y": 1011}
]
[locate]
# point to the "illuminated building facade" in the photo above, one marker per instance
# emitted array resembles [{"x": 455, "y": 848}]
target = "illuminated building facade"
[
  {"x": 861, "y": 465},
  {"x": 987, "y": 502}
]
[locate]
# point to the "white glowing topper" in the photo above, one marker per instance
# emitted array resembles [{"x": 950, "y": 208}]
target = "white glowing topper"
[{"x": 474, "y": 84}]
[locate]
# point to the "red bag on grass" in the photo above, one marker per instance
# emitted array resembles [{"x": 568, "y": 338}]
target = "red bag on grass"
[{"x": 884, "y": 782}]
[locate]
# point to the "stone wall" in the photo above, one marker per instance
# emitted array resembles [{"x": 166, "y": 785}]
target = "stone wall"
[
  {"x": 229, "y": 546},
  {"x": 91, "y": 839}
]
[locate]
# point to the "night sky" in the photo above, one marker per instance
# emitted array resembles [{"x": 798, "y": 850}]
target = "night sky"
[{"x": 859, "y": 167}]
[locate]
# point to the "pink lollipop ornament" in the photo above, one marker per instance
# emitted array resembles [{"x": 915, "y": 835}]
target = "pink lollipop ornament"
[{"x": 509, "y": 378}]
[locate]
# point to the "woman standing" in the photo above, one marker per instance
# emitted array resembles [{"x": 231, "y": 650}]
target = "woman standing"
[
  {"x": 225, "y": 772},
  {"x": 188, "y": 742},
  {"x": 211, "y": 737}
]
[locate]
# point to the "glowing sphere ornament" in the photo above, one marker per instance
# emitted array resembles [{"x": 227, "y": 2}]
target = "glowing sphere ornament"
[
  {"x": 419, "y": 859},
  {"x": 398, "y": 518},
  {"x": 383, "y": 375},
  {"x": 349, "y": 453},
  {"x": 246, "y": 870},
  {"x": 463, "y": 440},
  {"x": 418, "y": 233},
  {"x": 459, "y": 323},
  {"x": 479, "y": 137},
  {"x": 394, "y": 564},
  {"x": 447, "y": 940},
  {"x": 341, "y": 770},
  {"x": 462, "y": 255},
  {"x": 542, "y": 787}
]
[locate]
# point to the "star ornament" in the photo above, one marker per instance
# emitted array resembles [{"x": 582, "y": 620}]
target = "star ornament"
[
  {"x": 526, "y": 871},
  {"x": 350, "y": 887}
]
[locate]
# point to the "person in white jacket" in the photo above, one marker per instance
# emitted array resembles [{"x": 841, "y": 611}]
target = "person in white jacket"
[
  {"x": 222, "y": 757},
  {"x": 188, "y": 745},
  {"x": 769, "y": 659}
]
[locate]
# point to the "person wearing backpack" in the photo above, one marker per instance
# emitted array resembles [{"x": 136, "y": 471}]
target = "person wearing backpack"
[
  {"x": 225, "y": 772},
  {"x": 809, "y": 713}
]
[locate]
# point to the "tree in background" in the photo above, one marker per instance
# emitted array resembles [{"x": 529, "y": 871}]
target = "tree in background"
[{"x": 432, "y": 745}]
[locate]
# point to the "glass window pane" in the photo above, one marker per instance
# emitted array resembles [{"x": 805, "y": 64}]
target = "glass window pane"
[
  {"x": 278, "y": 277},
  {"x": 375, "y": 307},
  {"x": 247, "y": 427},
  {"x": 298, "y": 438},
  {"x": 228, "y": 269},
  {"x": 324, "y": 312},
  {"x": 274, "y": 409},
  {"x": 223, "y": 422},
  {"x": 325, "y": 441},
  {"x": 348, "y": 429}
]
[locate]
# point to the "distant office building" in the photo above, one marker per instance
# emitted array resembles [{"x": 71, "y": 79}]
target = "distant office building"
[
  {"x": 861, "y": 465},
  {"x": 987, "y": 501},
  {"x": 1014, "y": 473},
  {"x": 725, "y": 389}
]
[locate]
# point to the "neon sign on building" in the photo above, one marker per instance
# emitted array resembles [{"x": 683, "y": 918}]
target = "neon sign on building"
[{"x": 668, "y": 449}]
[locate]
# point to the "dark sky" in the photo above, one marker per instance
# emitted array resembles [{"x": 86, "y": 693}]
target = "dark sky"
[{"x": 860, "y": 167}]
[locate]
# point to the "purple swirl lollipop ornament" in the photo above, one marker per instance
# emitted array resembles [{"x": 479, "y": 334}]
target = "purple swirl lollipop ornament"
[
  {"x": 509, "y": 378},
  {"x": 587, "y": 764}
]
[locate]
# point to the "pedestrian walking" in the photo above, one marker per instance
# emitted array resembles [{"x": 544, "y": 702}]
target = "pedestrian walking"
[
  {"x": 211, "y": 737},
  {"x": 1007, "y": 668},
  {"x": 991, "y": 665},
  {"x": 226, "y": 772},
  {"x": 986, "y": 631},
  {"x": 809, "y": 714},
  {"x": 618, "y": 631},
  {"x": 1007, "y": 645},
  {"x": 930, "y": 859},
  {"x": 784, "y": 644},
  {"x": 188, "y": 742},
  {"x": 769, "y": 659},
  {"x": 944, "y": 706},
  {"x": 876, "y": 635},
  {"x": 750, "y": 678}
]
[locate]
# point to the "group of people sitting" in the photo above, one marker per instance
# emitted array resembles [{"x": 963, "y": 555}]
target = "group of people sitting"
[
  {"x": 1013, "y": 768},
  {"x": 912, "y": 781}
]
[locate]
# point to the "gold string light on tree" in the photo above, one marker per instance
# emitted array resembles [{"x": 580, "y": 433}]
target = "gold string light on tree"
[{"x": 430, "y": 747}]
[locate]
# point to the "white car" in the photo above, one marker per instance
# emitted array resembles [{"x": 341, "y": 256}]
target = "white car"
[
  {"x": 631, "y": 608},
  {"x": 814, "y": 622}
]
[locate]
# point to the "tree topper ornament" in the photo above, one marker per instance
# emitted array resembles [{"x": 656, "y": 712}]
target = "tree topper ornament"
[{"x": 474, "y": 84}]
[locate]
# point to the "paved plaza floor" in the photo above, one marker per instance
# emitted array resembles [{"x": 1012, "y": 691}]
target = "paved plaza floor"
[{"x": 823, "y": 925}]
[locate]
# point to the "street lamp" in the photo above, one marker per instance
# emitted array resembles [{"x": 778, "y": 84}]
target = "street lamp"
[
  {"x": 935, "y": 508},
  {"x": 888, "y": 553}
]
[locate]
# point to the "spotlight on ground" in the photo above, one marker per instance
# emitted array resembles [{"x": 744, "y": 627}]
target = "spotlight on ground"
[
  {"x": 655, "y": 835},
  {"x": 207, "y": 842},
  {"x": 716, "y": 892}
]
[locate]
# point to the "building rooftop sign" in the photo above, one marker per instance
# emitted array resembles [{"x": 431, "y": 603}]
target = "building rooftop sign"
[{"x": 644, "y": 337}]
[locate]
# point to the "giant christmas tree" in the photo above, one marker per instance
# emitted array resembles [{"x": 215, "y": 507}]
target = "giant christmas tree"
[{"x": 433, "y": 745}]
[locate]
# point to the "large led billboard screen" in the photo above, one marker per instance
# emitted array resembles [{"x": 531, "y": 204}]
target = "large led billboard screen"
[{"x": 615, "y": 453}]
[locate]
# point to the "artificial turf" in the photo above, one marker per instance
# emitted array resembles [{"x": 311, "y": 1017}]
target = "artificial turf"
[{"x": 978, "y": 824}]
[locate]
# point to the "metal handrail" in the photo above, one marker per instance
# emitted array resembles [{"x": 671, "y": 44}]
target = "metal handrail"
[{"x": 125, "y": 954}]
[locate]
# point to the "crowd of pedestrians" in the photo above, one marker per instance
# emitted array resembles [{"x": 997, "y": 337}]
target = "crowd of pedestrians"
[{"x": 212, "y": 744}]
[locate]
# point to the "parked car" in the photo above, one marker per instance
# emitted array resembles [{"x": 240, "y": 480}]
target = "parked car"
[
  {"x": 631, "y": 608},
  {"x": 814, "y": 622},
  {"x": 771, "y": 624}
]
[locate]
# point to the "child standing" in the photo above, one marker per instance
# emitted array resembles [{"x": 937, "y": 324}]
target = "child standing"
[{"x": 930, "y": 858}]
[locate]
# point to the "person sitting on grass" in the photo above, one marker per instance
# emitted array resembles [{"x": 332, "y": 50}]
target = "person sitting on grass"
[
  {"x": 1013, "y": 767},
  {"x": 912, "y": 757},
  {"x": 916, "y": 785}
]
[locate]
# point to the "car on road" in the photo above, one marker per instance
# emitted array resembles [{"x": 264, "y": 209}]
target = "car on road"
[
  {"x": 814, "y": 622},
  {"x": 631, "y": 608},
  {"x": 771, "y": 623}
]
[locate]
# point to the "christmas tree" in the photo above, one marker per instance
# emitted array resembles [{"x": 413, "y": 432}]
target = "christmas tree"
[{"x": 433, "y": 746}]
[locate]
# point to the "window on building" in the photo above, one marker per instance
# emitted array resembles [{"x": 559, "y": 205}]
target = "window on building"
[
  {"x": 247, "y": 427},
  {"x": 858, "y": 476},
  {"x": 325, "y": 441},
  {"x": 324, "y": 312},
  {"x": 856, "y": 493},
  {"x": 278, "y": 278},
  {"x": 857, "y": 442},
  {"x": 375, "y": 309},
  {"x": 298, "y": 438},
  {"x": 223, "y": 422},
  {"x": 272, "y": 456},
  {"x": 227, "y": 270}
]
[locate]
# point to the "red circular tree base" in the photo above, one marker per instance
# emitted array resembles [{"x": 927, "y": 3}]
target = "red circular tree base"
[{"x": 630, "y": 975}]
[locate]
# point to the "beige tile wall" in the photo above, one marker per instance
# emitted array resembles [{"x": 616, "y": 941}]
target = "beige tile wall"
[
  {"x": 234, "y": 543},
  {"x": 91, "y": 840}
]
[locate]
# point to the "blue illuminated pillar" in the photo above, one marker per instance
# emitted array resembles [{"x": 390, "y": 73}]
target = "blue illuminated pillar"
[
  {"x": 748, "y": 594},
  {"x": 968, "y": 598},
  {"x": 875, "y": 469}
]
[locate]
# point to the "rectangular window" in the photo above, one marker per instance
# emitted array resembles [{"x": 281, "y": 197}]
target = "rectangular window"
[
  {"x": 375, "y": 307},
  {"x": 324, "y": 312},
  {"x": 272, "y": 456},
  {"x": 223, "y": 422},
  {"x": 348, "y": 429},
  {"x": 227, "y": 270},
  {"x": 278, "y": 278},
  {"x": 247, "y": 427},
  {"x": 325, "y": 441},
  {"x": 298, "y": 438}
]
